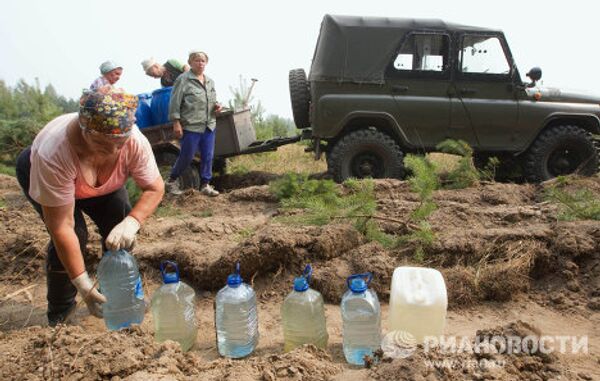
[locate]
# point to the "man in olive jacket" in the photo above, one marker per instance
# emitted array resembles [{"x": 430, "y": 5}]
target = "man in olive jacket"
[{"x": 192, "y": 109}]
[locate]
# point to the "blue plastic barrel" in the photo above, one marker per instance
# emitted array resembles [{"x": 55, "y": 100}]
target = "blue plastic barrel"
[
  {"x": 160, "y": 105},
  {"x": 143, "y": 114}
]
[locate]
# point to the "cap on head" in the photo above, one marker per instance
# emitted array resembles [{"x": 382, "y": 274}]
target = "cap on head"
[
  {"x": 108, "y": 66},
  {"x": 109, "y": 112},
  {"x": 148, "y": 63}
]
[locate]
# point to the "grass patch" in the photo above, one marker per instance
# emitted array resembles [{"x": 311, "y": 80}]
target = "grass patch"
[
  {"x": 168, "y": 210},
  {"x": 2, "y": 203},
  {"x": 204, "y": 213},
  {"x": 288, "y": 158},
  {"x": 244, "y": 234},
  {"x": 8, "y": 170},
  {"x": 575, "y": 202}
]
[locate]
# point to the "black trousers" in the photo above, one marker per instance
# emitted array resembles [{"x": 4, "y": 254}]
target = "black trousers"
[{"x": 106, "y": 212}]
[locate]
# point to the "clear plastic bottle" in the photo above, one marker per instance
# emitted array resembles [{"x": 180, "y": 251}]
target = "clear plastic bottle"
[
  {"x": 236, "y": 319},
  {"x": 361, "y": 315},
  {"x": 173, "y": 309},
  {"x": 303, "y": 315},
  {"x": 120, "y": 282}
]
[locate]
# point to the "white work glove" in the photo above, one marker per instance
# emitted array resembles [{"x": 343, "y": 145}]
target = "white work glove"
[
  {"x": 122, "y": 236},
  {"x": 89, "y": 294}
]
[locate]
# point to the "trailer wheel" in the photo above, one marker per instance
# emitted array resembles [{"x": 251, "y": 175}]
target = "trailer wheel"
[
  {"x": 188, "y": 179},
  {"x": 366, "y": 153},
  {"x": 300, "y": 96}
]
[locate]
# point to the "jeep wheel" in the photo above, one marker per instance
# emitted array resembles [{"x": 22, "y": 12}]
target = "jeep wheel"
[
  {"x": 365, "y": 153},
  {"x": 300, "y": 96},
  {"x": 561, "y": 150},
  {"x": 188, "y": 179}
]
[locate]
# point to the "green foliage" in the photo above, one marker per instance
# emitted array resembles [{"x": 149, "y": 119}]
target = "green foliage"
[
  {"x": 204, "y": 213},
  {"x": 24, "y": 110},
  {"x": 575, "y": 203},
  {"x": 423, "y": 180},
  {"x": 2, "y": 203},
  {"x": 274, "y": 126},
  {"x": 133, "y": 191},
  {"x": 464, "y": 174},
  {"x": 490, "y": 169}
]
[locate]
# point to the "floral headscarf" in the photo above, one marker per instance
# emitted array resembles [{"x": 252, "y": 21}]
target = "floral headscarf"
[{"x": 110, "y": 112}]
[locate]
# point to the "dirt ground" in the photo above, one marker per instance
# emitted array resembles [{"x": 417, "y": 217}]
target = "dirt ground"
[{"x": 510, "y": 267}]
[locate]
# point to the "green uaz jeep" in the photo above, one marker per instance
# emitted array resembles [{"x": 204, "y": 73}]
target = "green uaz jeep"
[{"x": 379, "y": 88}]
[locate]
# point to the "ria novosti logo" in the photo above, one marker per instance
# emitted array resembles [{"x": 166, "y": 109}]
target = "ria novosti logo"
[{"x": 402, "y": 344}]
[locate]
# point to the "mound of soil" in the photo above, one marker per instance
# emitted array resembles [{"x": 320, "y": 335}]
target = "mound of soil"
[{"x": 68, "y": 352}]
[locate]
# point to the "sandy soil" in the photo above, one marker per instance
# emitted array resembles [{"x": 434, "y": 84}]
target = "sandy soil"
[{"x": 511, "y": 269}]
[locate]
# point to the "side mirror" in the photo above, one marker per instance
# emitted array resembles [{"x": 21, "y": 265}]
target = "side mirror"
[{"x": 535, "y": 74}]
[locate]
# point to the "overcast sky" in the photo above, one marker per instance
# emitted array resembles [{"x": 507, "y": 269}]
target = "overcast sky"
[{"x": 64, "y": 41}]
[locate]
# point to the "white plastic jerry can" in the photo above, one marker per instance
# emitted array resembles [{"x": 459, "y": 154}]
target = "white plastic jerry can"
[{"x": 418, "y": 302}]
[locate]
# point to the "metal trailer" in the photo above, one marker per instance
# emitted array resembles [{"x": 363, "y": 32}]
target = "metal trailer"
[{"x": 235, "y": 135}]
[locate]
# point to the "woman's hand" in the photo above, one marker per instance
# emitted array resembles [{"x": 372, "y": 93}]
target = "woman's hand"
[
  {"x": 90, "y": 295},
  {"x": 122, "y": 236},
  {"x": 177, "y": 129}
]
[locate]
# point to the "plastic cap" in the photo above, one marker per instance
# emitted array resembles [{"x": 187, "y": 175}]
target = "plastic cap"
[
  {"x": 300, "y": 284},
  {"x": 234, "y": 280},
  {"x": 170, "y": 278},
  {"x": 358, "y": 285}
]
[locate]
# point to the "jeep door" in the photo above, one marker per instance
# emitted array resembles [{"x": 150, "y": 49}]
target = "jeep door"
[
  {"x": 484, "y": 84},
  {"x": 418, "y": 79}
]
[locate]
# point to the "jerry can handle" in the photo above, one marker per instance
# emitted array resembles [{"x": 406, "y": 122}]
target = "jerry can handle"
[
  {"x": 163, "y": 267},
  {"x": 307, "y": 273}
]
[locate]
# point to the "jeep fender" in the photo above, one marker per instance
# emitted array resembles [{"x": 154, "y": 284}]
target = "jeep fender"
[
  {"x": 383, "y": 121},
  {"x": 587, "y": 121}
]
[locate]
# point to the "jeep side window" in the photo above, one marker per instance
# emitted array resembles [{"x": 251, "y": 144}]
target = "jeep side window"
[
  {"x": 483, "y": 54},
  {"x": 423, "y": 52}
]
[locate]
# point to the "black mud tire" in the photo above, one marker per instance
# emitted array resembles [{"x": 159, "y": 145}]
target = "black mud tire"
[
  {"x": 188, "y": 179},
  {"x": 300, "y": 97},
  {"x": 561, "y": 150},
  {"x": 367, "y": 153}
]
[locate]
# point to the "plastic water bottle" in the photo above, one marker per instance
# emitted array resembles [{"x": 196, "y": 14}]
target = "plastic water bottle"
[
  {"x": 235, "y": 317},
  {"x": 173, "y": 309},
  {"x": 303, "y": 315},
  {"x": 121, "y": 283},
  {"x": 361, "y": 315}
]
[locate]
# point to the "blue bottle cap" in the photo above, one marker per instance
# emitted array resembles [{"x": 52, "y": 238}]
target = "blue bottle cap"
[
  {"x": 358, "y": 283},
  {"x": 234, "y": 280},
  {"x": 169, "y": 277},
  {"x": 301, "y": 282}
]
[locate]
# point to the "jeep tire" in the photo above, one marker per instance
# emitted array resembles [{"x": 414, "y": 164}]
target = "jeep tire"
[
  {"x": 365, "y": 153},
  {"x": 561, "y": 150},
  {"x": 188, "y": 179},
  {"x": 300, "y": 96}
]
